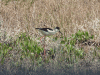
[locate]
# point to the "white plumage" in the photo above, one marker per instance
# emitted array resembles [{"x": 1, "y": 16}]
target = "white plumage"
[{"x": 48, "y": 31}]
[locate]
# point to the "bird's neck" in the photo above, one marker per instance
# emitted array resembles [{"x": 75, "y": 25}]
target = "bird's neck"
[{"x": 56, "y": 30}]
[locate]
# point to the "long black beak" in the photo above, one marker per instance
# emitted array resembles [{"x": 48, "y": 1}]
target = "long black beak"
[{"x": 60, "y": 32}]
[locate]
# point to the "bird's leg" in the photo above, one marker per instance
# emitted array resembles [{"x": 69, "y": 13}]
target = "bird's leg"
[
  {"x": 44, "y": 46},
  {"x": 41, "y": 38}
]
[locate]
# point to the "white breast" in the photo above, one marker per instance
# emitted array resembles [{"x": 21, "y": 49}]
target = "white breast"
[{"x": 49, "y": 33}]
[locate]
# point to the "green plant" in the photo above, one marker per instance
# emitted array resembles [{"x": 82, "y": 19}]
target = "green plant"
[
  {"x": 4, "y": 48},
  {"x": 73, "y": 54},
  {"x": 24, "y": 43},
  {"x": 82, "y": 36},
  {"x": 29, "y": 46}
]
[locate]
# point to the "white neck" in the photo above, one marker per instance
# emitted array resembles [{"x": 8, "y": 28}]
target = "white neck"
[{"x": 56, "y": 30}]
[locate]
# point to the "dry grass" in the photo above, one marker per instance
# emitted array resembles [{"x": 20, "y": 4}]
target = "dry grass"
[{"x": 70, "y": 15}]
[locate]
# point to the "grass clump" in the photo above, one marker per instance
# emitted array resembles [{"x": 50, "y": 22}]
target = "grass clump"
[
  {"x": 4, "y": 49},
  {"x": 71, "y": 51},
  {"x": 28, "y": 45},
  {"x": 25, "y": 47},
  {"x": 30, "y": 49}
]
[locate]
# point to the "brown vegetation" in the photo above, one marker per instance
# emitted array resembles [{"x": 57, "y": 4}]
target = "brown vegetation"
[{"x": 70, "y": 15}]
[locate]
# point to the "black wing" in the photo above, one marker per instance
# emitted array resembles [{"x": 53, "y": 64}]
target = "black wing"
[{"x": 44, "y": 29}]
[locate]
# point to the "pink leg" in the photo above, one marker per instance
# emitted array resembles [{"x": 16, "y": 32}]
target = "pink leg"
[
  {"x": 41, "y": 38},
  {"x": 44, "y": 50},
  {"x": 44, "y": 46}
]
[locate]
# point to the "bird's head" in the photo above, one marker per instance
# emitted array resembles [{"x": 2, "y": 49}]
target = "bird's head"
[{"x": 57, "y": 29}]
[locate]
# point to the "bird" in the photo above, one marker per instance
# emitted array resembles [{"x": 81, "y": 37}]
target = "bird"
[{"x": 48, "y": 32}]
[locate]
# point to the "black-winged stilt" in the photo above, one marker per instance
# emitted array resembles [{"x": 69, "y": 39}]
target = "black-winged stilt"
[{"x": 48, "y": 32}]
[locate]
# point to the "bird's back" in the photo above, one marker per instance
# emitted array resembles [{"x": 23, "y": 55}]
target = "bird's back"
[{"x": 44, "y": 29}]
